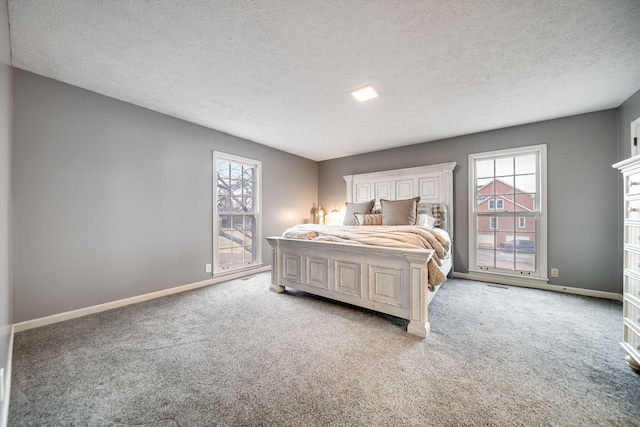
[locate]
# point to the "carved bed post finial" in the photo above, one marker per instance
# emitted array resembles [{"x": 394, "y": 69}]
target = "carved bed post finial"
[{"x": 349, "y": 195}]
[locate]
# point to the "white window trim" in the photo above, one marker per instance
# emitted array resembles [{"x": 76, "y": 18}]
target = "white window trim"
[
  {"x": 217, "y": 271},
  {"x": 522, "y": 222},
  {"x": 541, "y": 215},
  {"x": 492, "y": 204},
  {"x": 499, "y": 204}
]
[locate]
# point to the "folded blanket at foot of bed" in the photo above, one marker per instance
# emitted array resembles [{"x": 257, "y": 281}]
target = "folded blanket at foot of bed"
[{"x": 407, "y": 237}]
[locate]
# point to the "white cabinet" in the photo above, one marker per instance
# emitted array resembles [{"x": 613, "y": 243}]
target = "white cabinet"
[{"x": 630, "y": 169}]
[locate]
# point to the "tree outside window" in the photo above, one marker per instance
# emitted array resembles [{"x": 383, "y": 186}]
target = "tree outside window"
[{"x": 236, "y": 220}]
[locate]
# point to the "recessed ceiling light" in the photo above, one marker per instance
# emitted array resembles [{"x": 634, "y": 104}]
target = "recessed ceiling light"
[{"x": 365, "y": 93}]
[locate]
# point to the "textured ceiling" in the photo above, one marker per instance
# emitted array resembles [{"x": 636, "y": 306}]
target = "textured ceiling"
[{"x": 279, "y": 72}]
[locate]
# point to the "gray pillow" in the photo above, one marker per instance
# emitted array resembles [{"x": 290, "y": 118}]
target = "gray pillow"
[
  {"x": 363, "y": 208},
  {"x": 399, "y": 212}
]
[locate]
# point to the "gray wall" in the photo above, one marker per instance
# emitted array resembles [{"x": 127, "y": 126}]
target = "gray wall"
[
  {"x": 582, "y": 236},
  {"x": 111, "y": 200},
  {"x": 5, "y": 188},
  {"x": 627, "y": 112}
]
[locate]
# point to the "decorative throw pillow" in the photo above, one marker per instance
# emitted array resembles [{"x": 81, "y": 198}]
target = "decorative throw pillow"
[
  {"x": 368, "y": 219},
  {"x": 352, "y": 208},
  {"x": 437, "y": 211},
  {"x": 399, "y": 212},
  {"x": 425, "y": 220}
]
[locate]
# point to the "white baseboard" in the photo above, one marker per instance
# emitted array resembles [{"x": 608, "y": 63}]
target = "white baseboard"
[
  {"x": 545, "y": 286},
  {"x": 4, "y": 415},
  {"x": 60, "y": 317}
]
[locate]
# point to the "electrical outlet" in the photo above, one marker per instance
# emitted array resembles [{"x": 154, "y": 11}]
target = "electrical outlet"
[
  {"x": 207, "y": 268},
  {"x": 554, "y": 272}
]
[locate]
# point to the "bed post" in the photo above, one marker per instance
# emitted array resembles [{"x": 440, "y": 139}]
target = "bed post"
[
  {"x": 275, "y": 266},
  {"x": 419, "y": 322}
]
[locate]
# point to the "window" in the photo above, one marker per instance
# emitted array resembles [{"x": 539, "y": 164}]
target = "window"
[
  {"x": 236, "y": 213},
  {"x": 507, "y": 224},
  {"x": 493, "y": 203}
]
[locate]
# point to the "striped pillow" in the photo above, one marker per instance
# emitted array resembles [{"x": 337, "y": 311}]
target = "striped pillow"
[{"x": 368, "y": 219}]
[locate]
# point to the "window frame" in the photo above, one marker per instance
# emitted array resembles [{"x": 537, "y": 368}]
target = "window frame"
[
  {"x": 493, "y": 223},
  {"x": 496, "y": 204},
  {"x": 257, "y": 209},
  {"x": 540, "y": 214},
  {"x": 522, "y": 222}
]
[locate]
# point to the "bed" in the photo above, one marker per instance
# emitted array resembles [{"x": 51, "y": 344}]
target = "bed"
[{"x": 329, "y": 262}]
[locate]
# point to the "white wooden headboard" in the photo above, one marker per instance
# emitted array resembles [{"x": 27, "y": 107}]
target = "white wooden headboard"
[{"x": 433, "y": 183}]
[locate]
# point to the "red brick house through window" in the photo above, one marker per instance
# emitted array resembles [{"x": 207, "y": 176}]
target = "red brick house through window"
[{"x": 513, "y": 219}]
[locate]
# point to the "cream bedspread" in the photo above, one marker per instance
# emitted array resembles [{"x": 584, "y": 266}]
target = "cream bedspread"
[{"x": 409, "y": 237}]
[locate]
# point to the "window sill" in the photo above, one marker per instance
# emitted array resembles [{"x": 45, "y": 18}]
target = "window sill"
[
  {"x": 503, "y": 278},
  {"x": 248, "y": 269}
]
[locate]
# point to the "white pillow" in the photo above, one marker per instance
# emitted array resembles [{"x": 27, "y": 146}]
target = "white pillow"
[{"x": 425, "y": 220}]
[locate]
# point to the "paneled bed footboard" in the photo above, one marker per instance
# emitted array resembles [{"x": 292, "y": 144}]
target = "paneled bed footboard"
[{"x": 387, "y": 280}]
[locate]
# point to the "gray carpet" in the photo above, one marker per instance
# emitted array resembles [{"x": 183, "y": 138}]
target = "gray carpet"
[{"x": 236, "y": 354}]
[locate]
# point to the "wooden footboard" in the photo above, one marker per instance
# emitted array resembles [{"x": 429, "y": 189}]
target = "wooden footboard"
[{"x": 388, "y": 280}]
